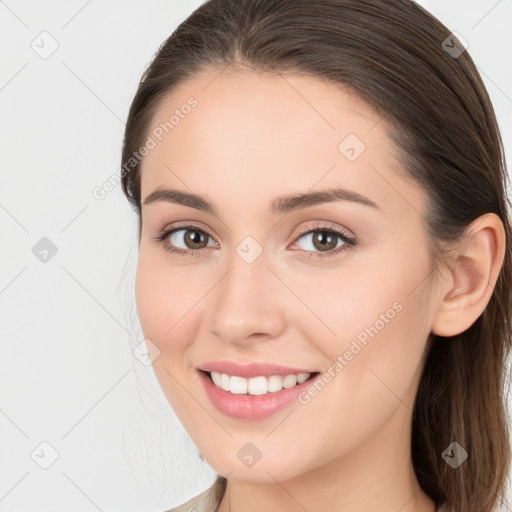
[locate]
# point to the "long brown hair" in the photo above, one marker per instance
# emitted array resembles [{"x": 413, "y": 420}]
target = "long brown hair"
[{"x": 411, "y": 70}]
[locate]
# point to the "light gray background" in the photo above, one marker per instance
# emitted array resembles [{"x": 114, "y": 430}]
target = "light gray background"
[{"x": 67, "y": 373}]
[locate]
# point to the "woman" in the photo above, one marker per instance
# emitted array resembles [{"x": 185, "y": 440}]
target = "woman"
[{"x": 324, "y": 256}]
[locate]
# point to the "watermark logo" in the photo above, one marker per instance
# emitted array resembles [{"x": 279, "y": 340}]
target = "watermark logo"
[
  {"x": 45, "y": 45},
  {"x": 44, "y": 455},
  {"x": 146, "y": 352},
  {"x": 351, "y": 147},
  {"x": 454, "y": 455},
  {"x": 249, "y": 249},
  {"x": 249, "y": 455},
  {"x": 454, "y": 45},
  {"x": 44, "y": 250}
]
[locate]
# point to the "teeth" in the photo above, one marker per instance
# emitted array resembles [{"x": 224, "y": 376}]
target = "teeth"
[{"x": 256, "y": 385}]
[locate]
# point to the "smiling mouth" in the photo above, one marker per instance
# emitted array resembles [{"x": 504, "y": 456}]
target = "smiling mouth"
[{"x": 260, "y": 385}]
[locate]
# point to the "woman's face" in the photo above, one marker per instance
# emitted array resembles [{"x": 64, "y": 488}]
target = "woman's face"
[{"x": 264, "y": 279}]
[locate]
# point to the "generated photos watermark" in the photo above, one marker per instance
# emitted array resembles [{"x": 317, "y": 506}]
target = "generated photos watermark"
[
  {"x": 356, "y": 346},
  {"x": 157, "y": 135}
]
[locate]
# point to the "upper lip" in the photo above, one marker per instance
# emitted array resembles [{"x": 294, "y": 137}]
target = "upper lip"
[{"x": 252, "y": 369}]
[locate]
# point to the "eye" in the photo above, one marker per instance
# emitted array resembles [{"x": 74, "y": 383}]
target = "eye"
[
  {"x": 322, "y": 240},
  {"x": 184, "y": 240}
]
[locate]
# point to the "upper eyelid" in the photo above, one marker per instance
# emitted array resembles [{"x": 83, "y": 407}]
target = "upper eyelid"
[{"x": 324, "y": 226}]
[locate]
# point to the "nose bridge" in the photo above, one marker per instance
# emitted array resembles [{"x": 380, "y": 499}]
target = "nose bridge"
[{"x": 246, "y": 300}]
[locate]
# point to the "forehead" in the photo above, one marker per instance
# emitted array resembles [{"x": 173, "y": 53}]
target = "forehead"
[{"x": 250, "y": 135}]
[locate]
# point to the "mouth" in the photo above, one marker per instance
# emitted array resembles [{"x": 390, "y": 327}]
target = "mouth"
[
  {"x": 254, "y": 398},
  {"x": 259, "y": 385}
]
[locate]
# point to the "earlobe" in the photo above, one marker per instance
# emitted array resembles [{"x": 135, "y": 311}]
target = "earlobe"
[{"x": 471, "y": 276}]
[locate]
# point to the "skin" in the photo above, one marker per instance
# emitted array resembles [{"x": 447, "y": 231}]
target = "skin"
[{"x": 251, "y": 138}]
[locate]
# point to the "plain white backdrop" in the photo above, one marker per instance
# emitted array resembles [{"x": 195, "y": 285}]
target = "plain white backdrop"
[{"x": 83, "y": 423}]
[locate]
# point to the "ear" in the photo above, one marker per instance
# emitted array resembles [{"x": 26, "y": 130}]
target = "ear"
[{"x": 467, "y": 285}]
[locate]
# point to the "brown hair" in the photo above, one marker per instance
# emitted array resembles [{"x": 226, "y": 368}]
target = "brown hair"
[{"x": 397, "y": 57}]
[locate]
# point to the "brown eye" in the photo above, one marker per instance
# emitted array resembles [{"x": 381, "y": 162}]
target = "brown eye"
[
  {"x": 188, "y": 238},
  {"x": 321, "y": 240}
]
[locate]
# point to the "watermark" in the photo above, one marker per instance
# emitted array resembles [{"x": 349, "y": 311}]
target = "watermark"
[
  {"x": 44, "y": 455},
  {"x": 355, "y": 348},
  {"x": 454, "y": 455},
  {"x": 249, "y": 249},
  {"x": 454, "y": 45},
  {"x": 44, "y": 250},
  {"x": 146, "y": 352},
  {"x": 351, "y": 147},
  {"x": 157, "y": 135},
  {"x": 45, "y": 45},
  {"x": 249, "y": 455}
]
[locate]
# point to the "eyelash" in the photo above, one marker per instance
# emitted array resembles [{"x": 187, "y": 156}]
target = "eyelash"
[{"x": 349, "y": 242}]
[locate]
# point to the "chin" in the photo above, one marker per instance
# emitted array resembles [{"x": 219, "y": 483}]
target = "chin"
[{"x": 260, "y": 472}]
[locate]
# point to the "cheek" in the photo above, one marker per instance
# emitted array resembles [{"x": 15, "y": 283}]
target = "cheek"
[
  {"x": 347, "y": 297},
  {"x": 162, "y": 304},
  {"x": 169, "y": 304},
  {"x": 148, "y": 296},
  {"x": 161, "y": 297},
  {"x": 344, "y": 302},
  {"x": 381, "y": 320},
  {"x": 371, "y": 375}
]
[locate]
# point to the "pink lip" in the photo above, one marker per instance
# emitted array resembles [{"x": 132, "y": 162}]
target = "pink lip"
[
  {"x": 252, "y": 370},
  {"x": 251, "y": 407}
]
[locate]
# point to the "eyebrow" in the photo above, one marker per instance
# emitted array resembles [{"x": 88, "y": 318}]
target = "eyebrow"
[{"x": 280, "y": 205}]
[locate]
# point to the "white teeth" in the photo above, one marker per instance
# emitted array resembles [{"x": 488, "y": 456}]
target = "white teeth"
[
  {"x": 238, "y": 385},
  {"x": 275, "y": 383},
  {"x": 289, "y": 381},
  {"x": 302, "y": 377},
  {"x": 256, "y": 385}
]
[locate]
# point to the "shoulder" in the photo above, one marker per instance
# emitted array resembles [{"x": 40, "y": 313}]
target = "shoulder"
[{"x": 207, "y": 501}]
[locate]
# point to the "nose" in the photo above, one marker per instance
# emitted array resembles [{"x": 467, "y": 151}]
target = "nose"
[{"x": 248, "y": 303}]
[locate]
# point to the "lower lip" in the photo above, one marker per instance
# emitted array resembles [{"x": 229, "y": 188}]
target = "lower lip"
[{"x": 251, "y": 407}]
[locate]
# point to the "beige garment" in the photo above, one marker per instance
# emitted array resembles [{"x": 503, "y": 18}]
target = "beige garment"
[{"x": 209, "y": 500}]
